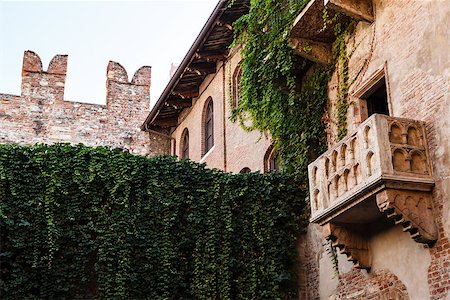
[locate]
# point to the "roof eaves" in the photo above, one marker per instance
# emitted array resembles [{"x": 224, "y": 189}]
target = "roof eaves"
[{"x": 217, "y": 12}]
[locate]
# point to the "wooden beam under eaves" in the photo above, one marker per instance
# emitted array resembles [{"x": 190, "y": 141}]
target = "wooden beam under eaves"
[
  {"x": 166, "y": 122},
  {"x": 211, "y": 56},
  {"x": 202, "y": 68},
  {"x": 224, "y": 24},
  {"x": 186, "y": 93},
  {"x": 179, "y": 102}
]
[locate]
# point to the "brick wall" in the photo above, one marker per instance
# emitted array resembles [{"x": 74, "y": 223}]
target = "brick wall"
[
  {"x": 234, "y": 148},
  {"x": 40, "y": 114},
  {"x": 409, "y": 38},
  {"x": 244, "y": 149},
  {"x": 382, "y": 284}
]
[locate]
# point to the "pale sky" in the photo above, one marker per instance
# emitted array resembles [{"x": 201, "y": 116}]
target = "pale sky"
[{"x": 132, "y": 33}]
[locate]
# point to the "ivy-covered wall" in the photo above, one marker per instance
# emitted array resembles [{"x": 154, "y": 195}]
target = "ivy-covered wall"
[
  {"x": 280, "y": 94},
  {"x": 79, "y": 222}
]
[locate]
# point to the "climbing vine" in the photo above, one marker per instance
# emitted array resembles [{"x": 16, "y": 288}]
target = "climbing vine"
[
  {"x": 341, "y": 60},
  {"x": 271, "y": 94},
  {"x": 280, "y": 92},
  {"x": 85, "y": 223},
  {"x": 333, "y": 255}
]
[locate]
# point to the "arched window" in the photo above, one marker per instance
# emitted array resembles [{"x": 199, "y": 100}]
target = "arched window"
[
  {"x": 185, "y": 144},
  {"x": 237, "y": 75},
  {"x": 245, "y": 170},
  {"x": 271, "y": 160},
  {"x": 209, "y": 126}
]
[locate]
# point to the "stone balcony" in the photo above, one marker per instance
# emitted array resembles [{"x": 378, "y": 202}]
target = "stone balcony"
[{"x": 381, "y": 169}]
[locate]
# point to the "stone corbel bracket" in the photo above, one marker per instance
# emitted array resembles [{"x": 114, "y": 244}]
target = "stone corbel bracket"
[
  {"x": 411, "y": 209},
  {"x": 314, "y": 51},
  {"x": 357, "y": 9},
  {"x": 350, "y": 242}
]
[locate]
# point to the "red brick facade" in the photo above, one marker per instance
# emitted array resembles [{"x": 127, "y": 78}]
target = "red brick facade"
[
  {"x": 382, "y": 284},
  {"x": 408, "y": 42},
  {"x": 234, "y": 148},
  {"x": 40, "y": 114},
  {"x": 409, "y": 39}
]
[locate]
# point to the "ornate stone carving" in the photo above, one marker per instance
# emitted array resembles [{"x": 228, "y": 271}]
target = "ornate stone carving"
[
  {"x": 350, "y": 242},
  {"x": 385, "y": 159},
  {"x": 408, "y": 150},
  {"x": 411, "y": 209},
  {"x": 382, "y": 151}
]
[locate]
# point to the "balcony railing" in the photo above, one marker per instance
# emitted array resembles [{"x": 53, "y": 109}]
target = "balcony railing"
[
  {"x": 384, "y": 152},
  {"x": 383, "y": 168}
]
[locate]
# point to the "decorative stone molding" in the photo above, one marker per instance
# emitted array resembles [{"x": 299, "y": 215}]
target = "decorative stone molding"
[
  {"x": 309, "y": 37},
  {"x": 357, "y": 9},
  {"x": 351, "y": 242},
  {"x": 314, "y": 51},
  {"x": 411, "y": 209},
  {"x": 383, "y": 152}
]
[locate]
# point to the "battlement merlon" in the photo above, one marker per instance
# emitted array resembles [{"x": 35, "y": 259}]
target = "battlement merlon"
[
  {"x": 116, "y": 72},
  {"x": 32, "y": 63},
  {"x": 40, "y": 84},
  {"x": 49, "y": 85},
  {"x": 121, "y": 91}
]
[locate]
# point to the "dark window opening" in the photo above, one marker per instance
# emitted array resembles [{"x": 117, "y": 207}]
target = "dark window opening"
[
  {"x": 185, "y": 147},
  {"x": 236, "y": 87},
  {"x": 273, "y": 163},
  {"x": 209, "y": 127},
  {"x": 377, "y": 100},
  {"x": 245, "y": 170}
]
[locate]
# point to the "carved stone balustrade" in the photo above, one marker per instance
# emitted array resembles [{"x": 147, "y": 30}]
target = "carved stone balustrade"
[{"x": 381, "y": 169}]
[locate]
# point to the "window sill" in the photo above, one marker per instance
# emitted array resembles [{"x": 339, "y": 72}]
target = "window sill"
[{"x": 207, "y": 154}]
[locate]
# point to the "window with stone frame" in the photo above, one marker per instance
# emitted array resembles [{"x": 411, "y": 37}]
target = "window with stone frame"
[
  {"x": 236, "y": 86},
  {"x": 209, "y": 126},
  {"x": 273, "y": 163},
  {"x": 377, "y": 102},
  {"x": 374, "y": 95},
  {"x": 271, "y": 160},
  {"x": 185, "y": 144}
]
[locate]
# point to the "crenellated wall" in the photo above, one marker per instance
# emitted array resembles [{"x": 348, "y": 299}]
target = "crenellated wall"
[{"x": 40, "y": 114}]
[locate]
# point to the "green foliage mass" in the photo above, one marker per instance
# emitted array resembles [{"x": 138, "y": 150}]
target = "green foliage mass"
[
  {"x": 340, "y": 60},
  {"x": 82, "y": 223},
  {"x": 276, "y": 96}
]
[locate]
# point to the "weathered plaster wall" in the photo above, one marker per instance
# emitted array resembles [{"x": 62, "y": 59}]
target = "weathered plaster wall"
[
  {"x": 244, "y": 149},
  {"x": 379, "y": 284},
  {"x": 192, "y": 119},
  {"x": 394, "y": 250},
  {"x": 40, "y": 114},
  {"x": 311, "y": 250},
  {"x": 317, "y": 275},
  {"x": 411, "y": 38},
  {"x": 233, "y": 148}
]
